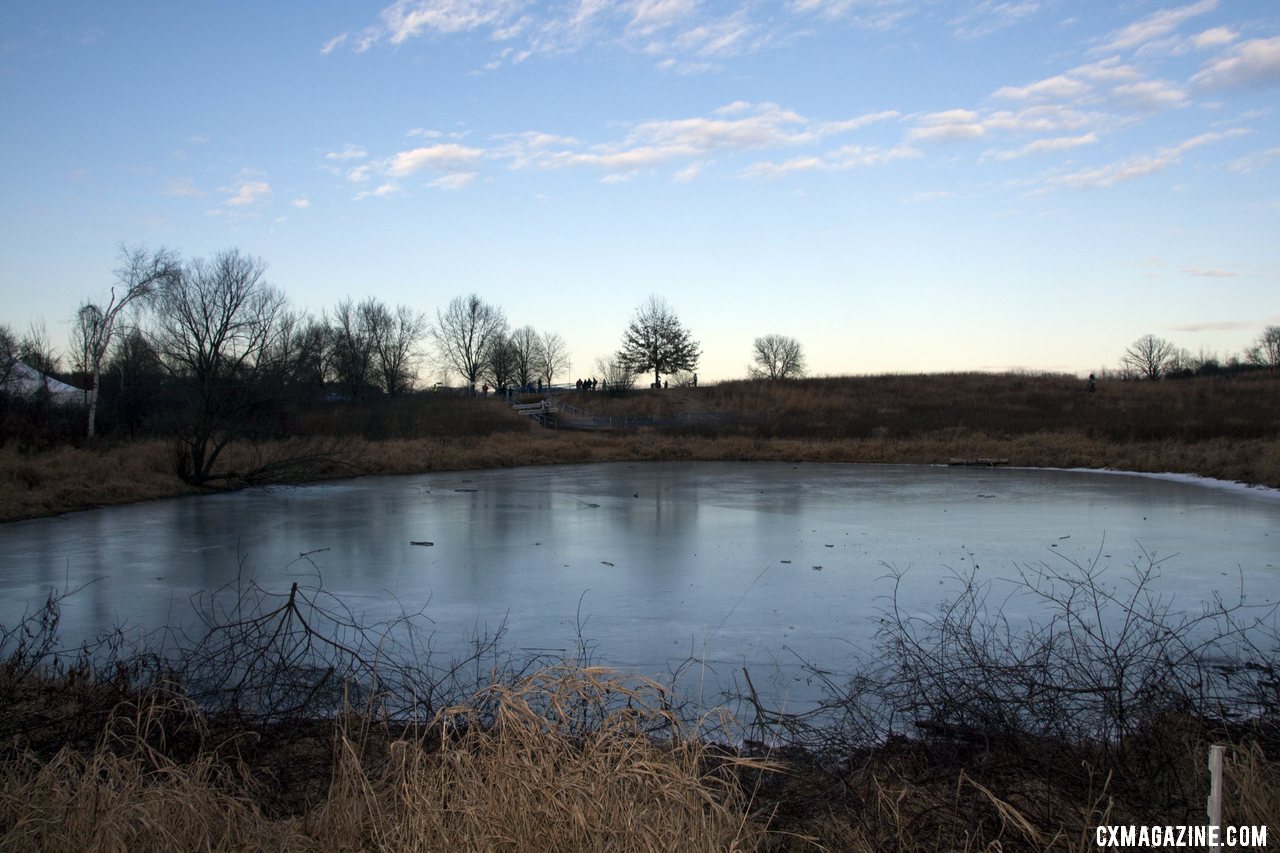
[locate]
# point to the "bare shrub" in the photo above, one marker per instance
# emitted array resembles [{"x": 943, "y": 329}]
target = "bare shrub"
[{"x": 1106, "y": 689}]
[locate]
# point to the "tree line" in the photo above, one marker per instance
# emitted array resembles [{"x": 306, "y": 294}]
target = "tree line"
[
  {"x": 207, "y": 349},
  {"x": 1154, "y": 357},
  {"x": 217, "y": 324}
]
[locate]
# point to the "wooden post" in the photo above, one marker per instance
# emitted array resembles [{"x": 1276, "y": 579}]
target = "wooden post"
[{"x": 1215, "y": 793}]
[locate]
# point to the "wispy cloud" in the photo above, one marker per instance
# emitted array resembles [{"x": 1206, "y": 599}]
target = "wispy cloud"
[
  {"x": 1253, "y": 62},
  {"x": 1156, "y": 25},
  {"x": 688, "y": 173},
  {"x": 841, "y": 159},
  {"x": 450, "y": 160},
  {"x": 1254, "y": 162},
  {"x": 928, "y": 197},
  {"x": 1216, "y": 37},
  {"x": 1217, "y": 326},
  {"x": 684, "y": 148},
  {"x": 948, "y": 126},
  {"x": 247, "y": 192},
  {"x": 1151, "y": 95},
  {"x": 1202, "y": 272},
  {"x": 989, "y": 16},
  {"x": 445, "y": 156},
  {"x": 682, "y": 36},
  {"x": 1140, "y": 165},
  {"x": 736, "y": 127},
  {"x": 1060, "y": 87},
  {"x": 347, "y": 152},
  {"x": 454, "y": 181},
  {"x": 1109, "y": 81},
  {"x": 1046, "y": 146},
  {"x": 864, "y": 14},
  {"x": 181, "y": 188},
  {"x": 381, "y": 191},
  {"x": 680, "y": 30}
]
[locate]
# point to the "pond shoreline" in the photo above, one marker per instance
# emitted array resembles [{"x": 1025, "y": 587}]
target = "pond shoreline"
[{"x": 69, "y": 479}]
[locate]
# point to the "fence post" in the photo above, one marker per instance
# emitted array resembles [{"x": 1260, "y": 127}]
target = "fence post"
[{"x": 1215, "y": 796}]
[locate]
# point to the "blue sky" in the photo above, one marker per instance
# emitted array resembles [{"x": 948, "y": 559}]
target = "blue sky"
[{"x": 902, "y": 185}]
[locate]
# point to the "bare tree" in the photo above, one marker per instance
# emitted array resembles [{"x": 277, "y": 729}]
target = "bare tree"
[
  {"x": 657, "y": 341},
  {"x": 1149, "y": 356},
  {"x": 777, "y": 357},
  {"x": 396, "y": 338},
  {"x": 1265, "y": 351},
  {"x": 138, "y": 278},
  {"x": 528, "y": 355},
  {"x": 133, "y": 375},
  {"x": 615, "y": 375},
  {"x": 314, "y": 347},
  {"x": 352, "y": 346},
  {"x": 465, "y": 334},
  {"x": 8, "y": 354},
  {"x": 35, "y": 350},
  {"x": 216, "y": 324},
  {"x": 553, "y": 357},
  {"x": 501, "y": 363}
]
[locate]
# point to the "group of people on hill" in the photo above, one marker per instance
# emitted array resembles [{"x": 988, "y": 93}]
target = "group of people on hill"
[
  {"x": 586, "y": 384},
  {"x": 507, "y": 391}
]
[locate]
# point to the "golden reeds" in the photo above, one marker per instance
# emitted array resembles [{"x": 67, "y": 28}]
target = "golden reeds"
[{"x": 565, "y": 759}]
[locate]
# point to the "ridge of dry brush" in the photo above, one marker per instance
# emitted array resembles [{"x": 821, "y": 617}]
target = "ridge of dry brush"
[{"x": 1213, "y": 426}]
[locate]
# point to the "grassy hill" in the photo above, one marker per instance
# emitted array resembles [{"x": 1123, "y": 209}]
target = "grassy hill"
[{"x": 1217, "y": 426}]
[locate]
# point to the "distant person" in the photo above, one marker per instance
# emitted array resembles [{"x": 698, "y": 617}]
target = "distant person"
[
  {"x": 695, "y": 380},
  {"x": 1093, "y": 384},
  {"x": 579, "y": 384}
]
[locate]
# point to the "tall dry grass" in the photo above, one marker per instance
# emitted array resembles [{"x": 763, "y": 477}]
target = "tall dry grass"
[
  {"x": 568, "y": 758},
  {"x": 565, "y": 759}
]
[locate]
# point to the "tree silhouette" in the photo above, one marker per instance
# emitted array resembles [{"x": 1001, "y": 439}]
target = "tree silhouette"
[
  {"x": 657, "y": 341},
  {"x": 777, "y": 357},
  {"x": 466, "y": 333},
  {"x": 1265, "y": 351},
  {"x": 1149, "y": 356}
]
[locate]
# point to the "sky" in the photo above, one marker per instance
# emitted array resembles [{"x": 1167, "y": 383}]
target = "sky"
[{"x": 900, "y": 185}]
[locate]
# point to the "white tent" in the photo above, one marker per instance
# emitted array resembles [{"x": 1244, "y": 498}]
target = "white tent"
[{"x": 25, "y": 381}]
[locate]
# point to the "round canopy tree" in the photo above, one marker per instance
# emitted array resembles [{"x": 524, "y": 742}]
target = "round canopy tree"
[{"x": 657, "y": 341}]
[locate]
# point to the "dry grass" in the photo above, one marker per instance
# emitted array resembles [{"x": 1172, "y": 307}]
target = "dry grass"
[
  {"x": 1212, "y": 427},
  {"x": 535, "y": 777},
  {"x": 518, "y": 768},
  {"x": 568, "y": 758},
  {"x": 68, "y": 479}
]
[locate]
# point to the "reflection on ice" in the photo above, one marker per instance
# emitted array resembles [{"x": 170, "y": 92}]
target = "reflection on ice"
[{"x": 765, "y": 567}]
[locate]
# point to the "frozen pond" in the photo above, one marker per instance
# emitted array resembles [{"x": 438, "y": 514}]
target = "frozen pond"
[{"x": 656, "y": 562}]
